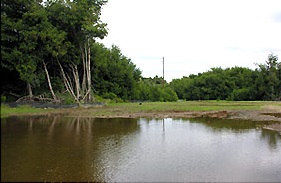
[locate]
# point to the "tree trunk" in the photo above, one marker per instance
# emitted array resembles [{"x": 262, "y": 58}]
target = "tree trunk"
[
  {"x": 89, "y": 72},
  {"x": 30, "y": 94},
  {"x": 84, "y": 85},
  {"x": 49, "y": 82},
  {"x": 67, "y": 84},
  {"x": 76, "y": 80}
]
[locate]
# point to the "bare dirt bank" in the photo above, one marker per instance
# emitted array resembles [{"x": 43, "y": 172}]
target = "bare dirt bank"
[
  {"x": 267, "y": 113},
  {"x": 263, "y": 115}
]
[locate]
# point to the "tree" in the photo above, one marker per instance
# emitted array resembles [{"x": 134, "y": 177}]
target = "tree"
[
  {"x": 14, "y": 43},
  {"x": 269, "y": 79},
  {"x": 80, "y": 20},
  {"x": 235, "y": 83},
  {"x": 28, "y": 38},
  {"x": 114, "y": 72},
  {"x": 150, "y": 89}
]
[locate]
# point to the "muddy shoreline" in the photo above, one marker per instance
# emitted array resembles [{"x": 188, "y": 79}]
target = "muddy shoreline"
[
  {"x": 270, "y": 115},
  {"x": 225, "y": 114},
  {"x": 263, "y": 115},
  {"x": 267, "y": 113}
]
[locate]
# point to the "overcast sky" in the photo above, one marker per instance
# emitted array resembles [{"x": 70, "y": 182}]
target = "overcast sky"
[{"x": 193, "y": 35}]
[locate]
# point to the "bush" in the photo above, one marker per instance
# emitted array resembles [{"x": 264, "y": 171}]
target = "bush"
[
  {"x": 112, "y": 96},
  {"x": 66, "y": 98},
  {"x": 98, "y": 98},
  {"x": 169, "y": 95},
  {"x": 240, "y": 94},
  {"x": 152, "y": 92},
  {"x": 3, "y": 98}
]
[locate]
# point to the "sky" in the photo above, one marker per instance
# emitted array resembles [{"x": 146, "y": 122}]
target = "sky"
[{"x": 193, "y": 36}]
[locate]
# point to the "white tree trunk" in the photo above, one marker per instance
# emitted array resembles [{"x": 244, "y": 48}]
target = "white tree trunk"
[
  {"x": 67, "y": 84},
  {"x": 30, "y": 94},
  {"x": 84, "y": 89},
  {"x": 76, "y": 80},
  {"x": 89, "y": 72},
  {"x": 49, "y": 81},
  {"x": 84, "y": 85}
]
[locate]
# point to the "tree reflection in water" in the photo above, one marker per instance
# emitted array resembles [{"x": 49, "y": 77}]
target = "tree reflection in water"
[
  {"x": 62, "y": 148},
  {"x": 240, "y": 126},
  {"x": 56, "y": 148}
]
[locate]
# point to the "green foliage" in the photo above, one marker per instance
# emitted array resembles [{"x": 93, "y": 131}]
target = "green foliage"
[
  {"x": 112, "y": 96},
  {"x": 28, "y": 38},
  {"x": 235, "y": 83},
  {"x": 66, "y": 98},
  {"x": 101, "y": 99},
  {"x": 3, "y": 98},
  {"x": 240, "y": 94},
  {"x": 24, "y": 109},
  {"x": 61, "y": 30},
  {"x": 168, "y": 95},
  {"x": 151, "y": 89},
  {"x": 268, "y": 82},
  {"x": 113, "y": 72}
]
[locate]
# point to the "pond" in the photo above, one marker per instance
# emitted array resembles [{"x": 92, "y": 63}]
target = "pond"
[{"x": 56, "y": 148}]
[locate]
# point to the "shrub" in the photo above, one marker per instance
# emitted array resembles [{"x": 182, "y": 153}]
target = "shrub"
[
  {"x": 66, "y": 98},
  {"x": 240, "y": 94},
  {"x": 112, "y": 96},
  {"x": 3, "y": 98}
]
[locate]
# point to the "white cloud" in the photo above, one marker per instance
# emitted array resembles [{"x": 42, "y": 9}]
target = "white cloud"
[{"x": 193, "y": 36}]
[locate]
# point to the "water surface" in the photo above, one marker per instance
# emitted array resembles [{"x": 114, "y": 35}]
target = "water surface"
[{"x": 54, "y": 148}]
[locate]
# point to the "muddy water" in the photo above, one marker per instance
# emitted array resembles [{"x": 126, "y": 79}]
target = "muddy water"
[{"x": 137, "y": 150}]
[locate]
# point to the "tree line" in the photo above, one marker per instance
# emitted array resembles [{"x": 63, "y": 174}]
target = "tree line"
[
  {"x": 237, "y": 83},
  {"x": 50, "y": 49},
  {"x": 37, "y": 35}
]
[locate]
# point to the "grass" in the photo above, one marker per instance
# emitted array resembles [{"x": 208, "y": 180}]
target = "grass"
[
  {"x": 116, "y": 109},
  {"x": 191, "y": 106},
  {"x": 113, "y": 109},
  {"x": 22, "y": 110}
]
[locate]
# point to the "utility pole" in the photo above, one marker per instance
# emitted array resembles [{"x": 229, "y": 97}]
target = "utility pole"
[{"x": 163, "y": 74}]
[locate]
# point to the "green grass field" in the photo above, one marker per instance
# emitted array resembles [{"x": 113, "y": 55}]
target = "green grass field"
[
  {"x": 126, "y": 108},
  {"x": 191, "y": 106},
  {"x": 22, "y": 110}
]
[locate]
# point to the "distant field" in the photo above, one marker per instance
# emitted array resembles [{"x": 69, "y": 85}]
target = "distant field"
[
  {"x": 193, "y": 105},
  {"x": 113, "y": 109}
]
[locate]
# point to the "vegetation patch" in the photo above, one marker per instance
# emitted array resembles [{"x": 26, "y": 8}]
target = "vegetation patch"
[{"x": 22, "y": 110}]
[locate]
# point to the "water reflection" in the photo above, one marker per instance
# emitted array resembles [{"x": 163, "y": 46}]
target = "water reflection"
[
  {"x": 55, "y": 148},
  {"x": 271, "y": 137},
  {"x": 163, "y": 130},
  {"x": 238, "y": 126},
  {"x": 60, "y": 149}
]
